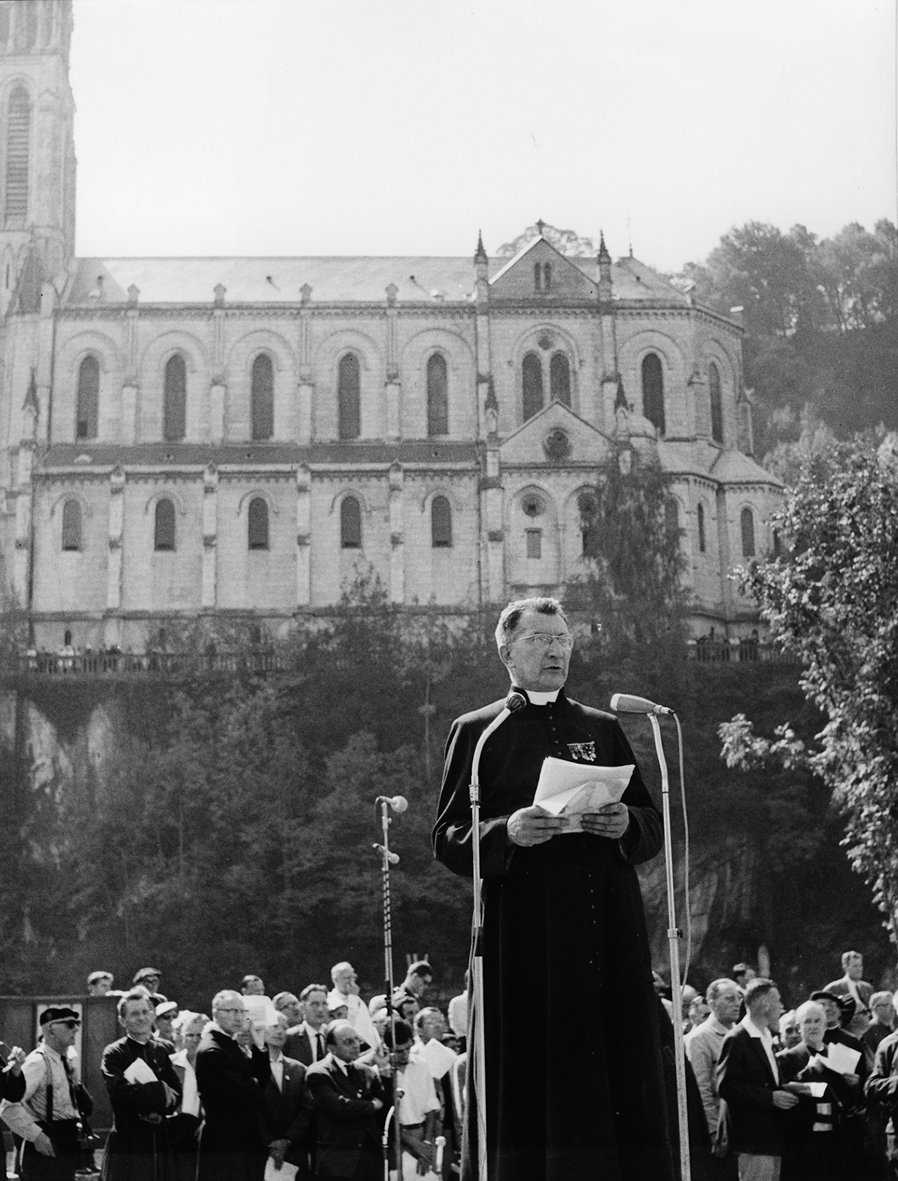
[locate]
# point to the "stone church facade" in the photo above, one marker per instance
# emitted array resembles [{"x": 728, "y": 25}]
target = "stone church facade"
[{"x": 240, "y": 437}]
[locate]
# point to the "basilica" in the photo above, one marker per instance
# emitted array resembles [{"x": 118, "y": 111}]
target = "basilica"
[{"x": 242, "y": 437}]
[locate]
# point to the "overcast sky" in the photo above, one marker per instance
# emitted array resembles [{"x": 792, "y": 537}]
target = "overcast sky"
[{"x": 291, "y": 127}]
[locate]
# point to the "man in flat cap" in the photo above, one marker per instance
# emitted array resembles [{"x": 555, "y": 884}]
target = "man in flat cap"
[{"x": 49, "y": 1117}]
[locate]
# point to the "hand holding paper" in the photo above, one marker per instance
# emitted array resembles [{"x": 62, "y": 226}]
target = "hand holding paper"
[{"x": 574, "y": 789}]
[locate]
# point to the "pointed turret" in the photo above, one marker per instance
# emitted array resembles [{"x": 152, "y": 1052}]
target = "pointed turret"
[
  {"x": 604, "y": 261},
  {"x": 481, "y": 271}
]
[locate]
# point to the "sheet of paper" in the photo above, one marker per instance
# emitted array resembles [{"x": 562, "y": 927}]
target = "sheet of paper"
[
  {"x": 841, "y": 1058},
  {"x": 817, "y": 1090},
  {"x": 140, "y": 1072},
  {"x": 570, "y": 789},
  {"x": 285, "y": 1173},
  {"x": 438, "y": 1057},
  {"x": 261, "y": 1010}
]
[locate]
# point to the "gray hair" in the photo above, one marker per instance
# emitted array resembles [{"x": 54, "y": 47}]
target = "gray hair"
[
  {"x": 511, "y": 615},
  {"x": 716, "y": 987}
]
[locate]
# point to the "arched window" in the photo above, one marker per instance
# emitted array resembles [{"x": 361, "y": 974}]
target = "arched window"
[
  {"x": 560, "y": 378},
  {"x": 174, "y": 410},
  {"x": 702, "y": 540},
  {"x": 589, "y": 529},
  {"x": 350, "y": 523},
  {"x": 537, "y": 277},
  {"x": 18, "y": 151},
  {"x": 88, "y": 398},
  {"x": 440, "y": 523},
  {"x": 653, "y": 391},
  {"x": 672, "y": 518},
  {"x": 71, "y": 525},
  {"x": 532, "y": 373},
  {"x": 437, "y": 395},
  {"x": 716, "y": 403},
  {"x": 748, "y": 533},
  {"x": 164, "y": 525},
  {"x": 349, "y": 410},
  {"x": 257, "y": 523},
  {"x": 262, "y": 398}
]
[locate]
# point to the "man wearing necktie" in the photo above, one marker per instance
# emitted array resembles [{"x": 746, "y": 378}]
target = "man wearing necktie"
[
  {"x": 305, "y": 1041},
  {"x": 349, "y": 1103},
  {"x": 48, "y": 1117},
  {"x": 143, "y": 1090},
  {"x": 286, "y": 1103}
]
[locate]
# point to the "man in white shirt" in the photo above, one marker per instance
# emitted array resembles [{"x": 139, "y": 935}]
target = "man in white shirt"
[
  {"x": 419, "y": 1107},
  {"x": 852, "y": 984},
  {"x": 47, "y": 1117},
  {"x": 305, "y": 1041},
  {"x": 346, "y": 992},
  {"x": 286, "y": 1103},
  {"x": 748, "y": 1081}
]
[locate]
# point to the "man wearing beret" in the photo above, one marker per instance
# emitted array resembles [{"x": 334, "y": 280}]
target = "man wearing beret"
[{"x": 48, "y": 1117}]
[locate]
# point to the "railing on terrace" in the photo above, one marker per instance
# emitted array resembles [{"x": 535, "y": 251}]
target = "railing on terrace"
[{"x": 707, "y": 650}]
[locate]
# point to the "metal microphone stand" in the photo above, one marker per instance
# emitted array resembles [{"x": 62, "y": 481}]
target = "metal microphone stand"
[
  {"x": 673, "y": 936},
  {"x": 388, "y": 859}
]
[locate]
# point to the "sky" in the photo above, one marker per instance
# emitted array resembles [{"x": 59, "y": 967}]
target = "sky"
[{"x": 403, "y": 127}]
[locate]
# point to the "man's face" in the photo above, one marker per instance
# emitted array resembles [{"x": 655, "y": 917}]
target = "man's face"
[
  {"x": 290, "y": 1007},
  {"x": 346, "y": 1044},
  {"x": 137, "y": 1019},
  {"x": 531, "y": 665},
  {"x": 855, "y": 967},
  {"x": 884, "y": 1011},
  {"x": 418, "y": 985},
  {"x": 150, "y": 983},
  {"x": 770, "y": 1009},
  {"x": 276, "y": 1035},
  {"x": 344, "y": 980},
  {"x": 314, "y": 1008},
  {"x": 813, "y": 1023},
  {"x": 100, "y": 987},
  {"x": 403, "y": 1052},
  {"x": 59, "y": 1035},
  {"x": 725, "y": 1006},
  {"x": 232, "y": 1016},
  {"x": 193, "y": 1033},
  {"x": 408, "y": 1009},
  {"x": 831, "y": 1012},
  {"x": 790, "y": 1033},
  {"x": 163, "y": 1025},
  {"x": 254, "y": 987},
  {"x": 432, "y": 1025}
]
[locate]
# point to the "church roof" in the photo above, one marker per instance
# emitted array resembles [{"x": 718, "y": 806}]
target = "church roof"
[
  {"x": 420, "y": 279},
  {"x": 701, "y": 458}
]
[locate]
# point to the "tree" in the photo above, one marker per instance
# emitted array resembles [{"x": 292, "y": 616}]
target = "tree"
[
  {"x": 832, "y": 600},
  {"x": 567, "y": 242}
]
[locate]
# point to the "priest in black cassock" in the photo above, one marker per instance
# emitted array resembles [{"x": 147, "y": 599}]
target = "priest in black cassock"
[
  {"x": 137, "y": 1148},
  {"x": 574, "y": 1078}
]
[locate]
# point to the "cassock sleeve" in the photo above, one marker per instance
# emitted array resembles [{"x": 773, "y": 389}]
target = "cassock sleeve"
[{"x": 452, "y": 832}]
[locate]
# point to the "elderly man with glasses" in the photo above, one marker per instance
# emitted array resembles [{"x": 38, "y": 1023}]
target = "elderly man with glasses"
[
  {"x": 231, "y": 1073},
  {"x": 49, "y": 1117},
  {"x": 579, "y": 1093}
]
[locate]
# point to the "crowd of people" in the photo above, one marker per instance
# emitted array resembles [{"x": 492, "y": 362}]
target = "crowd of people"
[
  {"x": 303, "y": 1084},
  {"x": 808, "y": 1094},
  {"x": 314, "y": 1083}
]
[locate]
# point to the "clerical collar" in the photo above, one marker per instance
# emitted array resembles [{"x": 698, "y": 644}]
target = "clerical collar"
[{"x": 535, "y": 698}]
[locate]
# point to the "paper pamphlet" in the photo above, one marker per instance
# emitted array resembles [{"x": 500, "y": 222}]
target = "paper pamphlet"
[
  {"x": 140, "y": 1072},
  {"x": 285, "y": 1173},
  {"x": 570, "y": 789},
  {"x": 841, "y": 1058},
  {"x": 438, "y": 1057},
  {"x": 817, "y": 1090}
]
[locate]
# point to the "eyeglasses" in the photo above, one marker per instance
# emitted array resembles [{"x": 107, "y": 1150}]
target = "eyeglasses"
[
  {"x": 230, "y": 1011},
  {"x": 546, "y": 640}
]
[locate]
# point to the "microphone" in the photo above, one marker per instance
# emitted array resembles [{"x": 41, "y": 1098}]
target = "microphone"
[
  {"x": 397, "y": 803},
  {"x": 624, "y": 703},
  {"x": 393, "y": 858}
]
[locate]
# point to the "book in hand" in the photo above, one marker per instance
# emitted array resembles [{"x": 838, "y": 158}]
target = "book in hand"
[{"x": 571, "y": 789}]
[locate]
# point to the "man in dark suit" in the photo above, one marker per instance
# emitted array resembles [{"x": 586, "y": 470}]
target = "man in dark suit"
[
  {"x": 230, "y": 1074},
  {"x": 305, "y": 1041},
  {"x": 851, "y": 984},
  {"x": 349, "y": 1102},
  {"x": 286, "y": 1103},
  {"x": 748, "y": 1082}
]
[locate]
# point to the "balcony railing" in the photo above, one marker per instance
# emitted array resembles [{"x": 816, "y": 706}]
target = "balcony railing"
[{"x": 748, "y": 650}]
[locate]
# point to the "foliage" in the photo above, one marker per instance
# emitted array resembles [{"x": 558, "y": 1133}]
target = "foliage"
[
  {"x": 567, "y": 242},
  {"x": 821, "y": 320},
  {"x": 833, "y": 602}
]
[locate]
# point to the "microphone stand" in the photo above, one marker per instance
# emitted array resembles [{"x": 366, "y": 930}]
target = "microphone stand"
[
  {"x": 673, "y": 937},
  {"x": 388, "y": 859},
  {"x": 479, "y": 1047}
]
